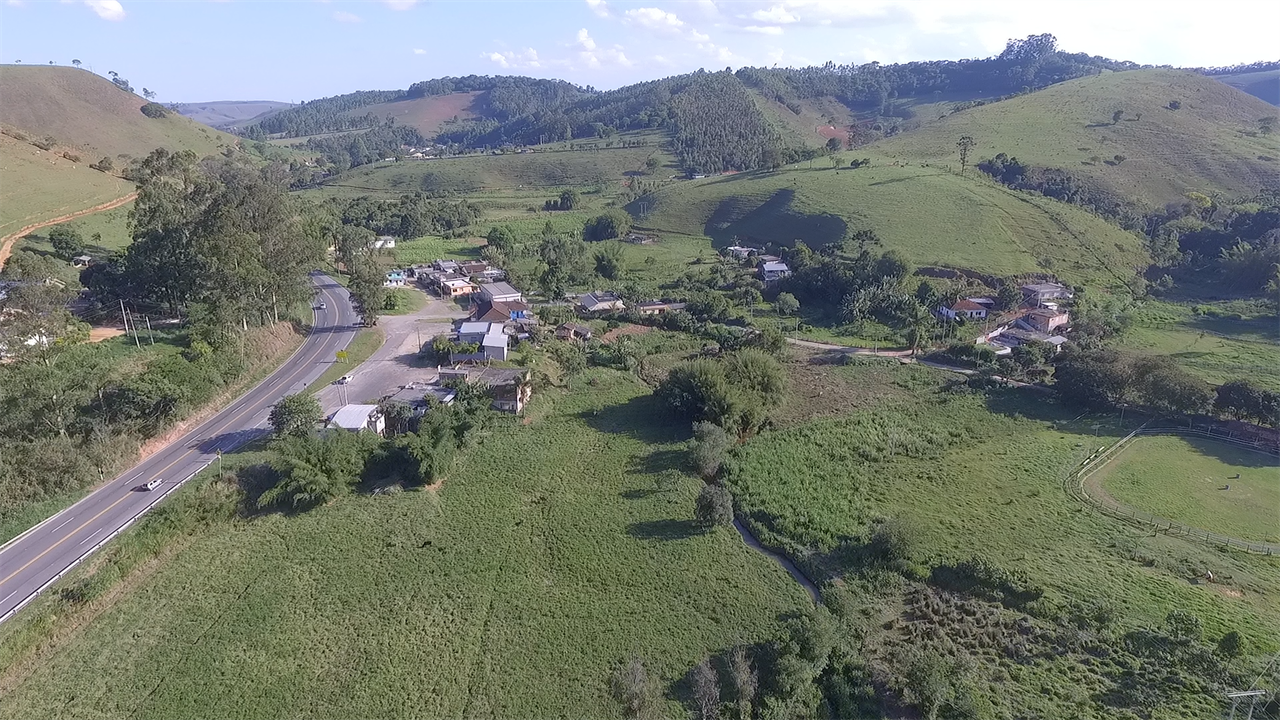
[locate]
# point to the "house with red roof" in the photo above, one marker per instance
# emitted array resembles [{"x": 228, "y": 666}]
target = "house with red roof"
[{"x": 964, "y": 308}]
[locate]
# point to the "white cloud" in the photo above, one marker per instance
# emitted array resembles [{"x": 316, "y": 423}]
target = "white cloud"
[
  {"x": 419, "y": 51},
  {"x": 106, "y": 9},
  {"x": 592, "y": 55},
  {"x": 527, "y": 58},
  {"x": 400, "y": 4},
  {"x": 655, "y": 19},
  {"x": 599, "y": 8},
  {"x": 664, "y": 23},
  {"x": 776, "y": 14},
  {"x": 345, "y": 17},
  {"x": 764, "y": 29},
  {"x": 721, "y": 54}
]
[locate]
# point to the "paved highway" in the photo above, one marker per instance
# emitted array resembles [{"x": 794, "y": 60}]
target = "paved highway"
[{"x": 36, "y": 559}]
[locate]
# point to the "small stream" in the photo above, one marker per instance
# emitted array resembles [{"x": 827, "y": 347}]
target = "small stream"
[{"x": 786, "y": 564}]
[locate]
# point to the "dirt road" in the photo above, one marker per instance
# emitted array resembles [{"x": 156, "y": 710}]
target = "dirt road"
[{"x": 8, "y": 241}]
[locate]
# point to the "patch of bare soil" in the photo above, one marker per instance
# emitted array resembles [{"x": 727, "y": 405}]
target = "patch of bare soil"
[
  {"x": 98, "y": 334},
  {"x": 622, "y": 330}
]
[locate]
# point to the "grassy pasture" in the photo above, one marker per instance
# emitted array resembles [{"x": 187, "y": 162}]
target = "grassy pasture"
[
  {"x": 86, "y": 111},
  {"x": 932, "y": 216},
  {"x": 513, "y": 591},
  {"x": 1229, "y": 346},
  {"x": 1182, "y": 479},
  {"x": 1211, "y": 143},
  {"x": 548, "y": 170},
  {"x": 36, "y": 185}
]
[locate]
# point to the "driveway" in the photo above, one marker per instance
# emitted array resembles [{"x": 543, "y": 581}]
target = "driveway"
[{"x": 396, "y": 363}]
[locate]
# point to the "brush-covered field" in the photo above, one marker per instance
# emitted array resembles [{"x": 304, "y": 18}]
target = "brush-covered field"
[
  {"x": 1202, "y": 483},
  {"x": 1212, "y": 142},
  {"x": 980, "y": 475},
  {"x": 553, "y": 551},
  {"x": 933, "y": 217}
]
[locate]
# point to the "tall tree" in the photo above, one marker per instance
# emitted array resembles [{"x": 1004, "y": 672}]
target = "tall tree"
[
  {"x": 706, "y": 690},
  {"x": 635, "y": 689},
  {"x": 745, "y": 681},
  {"x": 965, "y": 144},
  {"x": 295, "y": 415},
  {"x": 66, "y": 240}
]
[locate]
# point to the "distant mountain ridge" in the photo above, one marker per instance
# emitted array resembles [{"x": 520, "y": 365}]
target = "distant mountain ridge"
[{"x": 230, "y": 113}]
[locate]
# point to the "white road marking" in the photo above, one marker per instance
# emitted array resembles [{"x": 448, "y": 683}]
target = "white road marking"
[{"x": 64, "y": 522}]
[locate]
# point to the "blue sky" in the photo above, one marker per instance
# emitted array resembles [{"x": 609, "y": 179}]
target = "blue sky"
[{"x": 292, "y": 51}]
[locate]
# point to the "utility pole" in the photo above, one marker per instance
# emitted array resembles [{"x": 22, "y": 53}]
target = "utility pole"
[
  {"x": 1253, "y": 696},
  {"x": 149, "y": 334},
  {"x": 124, "y": 318}
]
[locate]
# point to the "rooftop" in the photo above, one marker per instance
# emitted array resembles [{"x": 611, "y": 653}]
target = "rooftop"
[
  {"x": 966, "y": 306},
  {"x": 775, "y": 266},
  {"x": 499, "y": 288},
  {"x": 353, "y": 417}
]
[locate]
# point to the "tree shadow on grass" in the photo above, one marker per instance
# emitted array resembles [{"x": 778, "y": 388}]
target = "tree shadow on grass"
[
  {"x": 659, "y": 461},
  {"x": 642, "y": 418},
  {"x": 665, "y": 530},
  {"x": 1027, "y": 403}
]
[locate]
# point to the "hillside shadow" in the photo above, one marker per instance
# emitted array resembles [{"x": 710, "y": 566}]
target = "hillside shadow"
[
  {"x": 664, "y": 530},
  {"x": 775, "y": 220}
]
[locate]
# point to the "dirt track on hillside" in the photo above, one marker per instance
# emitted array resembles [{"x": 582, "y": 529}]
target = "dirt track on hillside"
[{"x": 7, "y": 242}]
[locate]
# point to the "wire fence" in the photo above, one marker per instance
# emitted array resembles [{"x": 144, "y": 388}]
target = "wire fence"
[{"x": 1076, "y": 480}]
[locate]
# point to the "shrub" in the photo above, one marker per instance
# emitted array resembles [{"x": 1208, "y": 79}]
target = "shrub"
[
  {"x": 1175, "y": 104},
  {"x": 154, "y": 110},
  {"x": 714, "y": 506},
  {"x": 710, "y": 444},
  {"x": 894, "y": 542},
  {"x": 609, "y": 225}
]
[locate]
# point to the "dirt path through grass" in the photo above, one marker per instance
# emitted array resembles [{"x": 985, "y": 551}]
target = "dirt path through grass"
[{"x": 8, "y": 241}]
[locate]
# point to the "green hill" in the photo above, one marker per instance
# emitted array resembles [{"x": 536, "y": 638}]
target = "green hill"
[
  {"x": 82, "y": 118},
  {"x": 1212, "y": 142},
  {"x": 428, "y": 114},
  {"x": 933, "y": 217},
  {"x": 85, "y": 111}
]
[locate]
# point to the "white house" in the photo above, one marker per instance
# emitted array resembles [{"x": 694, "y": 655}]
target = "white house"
[
  {"x": 384, "y": 242},
  {"x": 358, "y": 417},
  {"x": 963, "y": 308},
  {"x": 500, "y": 292},
  {"x": 773, "y": 271},
  {"x": 473, "y": 332},
  {"x": 395, "y": 278}
]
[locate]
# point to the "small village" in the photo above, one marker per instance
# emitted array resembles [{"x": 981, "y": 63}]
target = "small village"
[{"x": 496, "y": 317}]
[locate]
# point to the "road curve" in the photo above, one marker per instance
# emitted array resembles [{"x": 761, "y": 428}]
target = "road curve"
[{"x": 33, "y": 561}]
